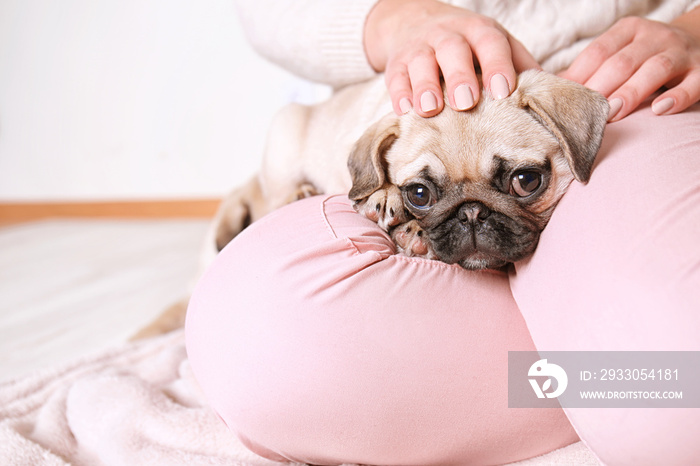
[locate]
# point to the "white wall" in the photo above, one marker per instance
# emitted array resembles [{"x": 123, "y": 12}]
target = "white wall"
[{"x": 123, "y": 99}]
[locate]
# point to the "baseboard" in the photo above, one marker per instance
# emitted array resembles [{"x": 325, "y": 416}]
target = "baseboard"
[{"x": 29, "y": 211}]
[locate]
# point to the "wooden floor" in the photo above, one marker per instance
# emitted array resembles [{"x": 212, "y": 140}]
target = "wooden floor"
[{"x": 70, "y": 287}]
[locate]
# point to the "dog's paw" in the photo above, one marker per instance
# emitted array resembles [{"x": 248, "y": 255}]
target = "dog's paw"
[
  {"x": 412, "y": 241},
  {"x": 303, "y": 191},
  {"x": 384, "y": 206}
]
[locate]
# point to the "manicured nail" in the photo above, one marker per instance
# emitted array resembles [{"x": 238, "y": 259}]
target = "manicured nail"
[
  {"x": 428, "y": 102},
  {"x": 499, "y": 86},
  {"x": 615, "y": 107},
  {"x": 663, "y": 106},
  {"x": 405, "y": 105},
  {"x": 463, "y": 97}
]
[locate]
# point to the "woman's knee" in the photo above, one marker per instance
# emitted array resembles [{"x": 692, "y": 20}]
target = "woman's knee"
[{"x": 314, "y": 342}]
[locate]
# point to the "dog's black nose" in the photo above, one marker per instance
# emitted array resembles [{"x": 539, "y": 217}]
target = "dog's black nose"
[{"x": 473, "y": 212}]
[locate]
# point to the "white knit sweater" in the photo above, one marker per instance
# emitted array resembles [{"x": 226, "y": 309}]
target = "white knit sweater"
[{"x": 321, "y": 40}]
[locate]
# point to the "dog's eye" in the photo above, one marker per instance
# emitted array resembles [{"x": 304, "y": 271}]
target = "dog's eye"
[
  {"x": 524, "y": 183},
  {"x": 419, "y": 196}
]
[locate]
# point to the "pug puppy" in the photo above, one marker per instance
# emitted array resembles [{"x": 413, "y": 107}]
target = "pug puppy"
[{"x": 474, "y": 188}]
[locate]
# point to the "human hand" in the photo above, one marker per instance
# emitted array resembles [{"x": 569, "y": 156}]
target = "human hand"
[
  {"x": 415, "y": 41},
  {"x": 636, "y": 57}
]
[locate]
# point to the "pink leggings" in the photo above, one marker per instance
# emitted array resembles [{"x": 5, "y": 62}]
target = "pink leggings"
[{"x": 315, "y": 343}]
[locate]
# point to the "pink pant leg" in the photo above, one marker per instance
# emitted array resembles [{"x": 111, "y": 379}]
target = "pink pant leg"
[
  {"x": 315, "y": 343},
  {"x": 618, "y": 268}
]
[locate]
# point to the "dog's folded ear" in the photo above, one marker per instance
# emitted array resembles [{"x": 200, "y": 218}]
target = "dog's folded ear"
[
  {"x": 366, "y": 161},
  {"x": 574, "y": 114}
]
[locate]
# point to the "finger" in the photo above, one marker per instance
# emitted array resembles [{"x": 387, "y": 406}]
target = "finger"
[
  {"x": 597, "y": 53},
  {"x": 651, "y": 76},
  {"x": 493, "y": 52},
  {"x": 424, "y": 74},
  {"x": 679, "y": 97},
  {"x": 619, "y": 68},
  {"x": 522, "y": 58},
  {"x": 399, "y": 86},
  {"x": 457, "y": 65}
]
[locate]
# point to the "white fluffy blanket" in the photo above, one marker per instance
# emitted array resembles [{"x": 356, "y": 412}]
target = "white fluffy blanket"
[{"x": 137, "y": 404}]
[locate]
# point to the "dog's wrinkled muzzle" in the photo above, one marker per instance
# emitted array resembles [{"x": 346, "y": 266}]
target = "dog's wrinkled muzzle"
[{"x": 477, "y": 238}]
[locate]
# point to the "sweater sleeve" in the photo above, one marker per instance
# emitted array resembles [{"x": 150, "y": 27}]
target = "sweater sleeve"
[{"x": 320, "y": 40}]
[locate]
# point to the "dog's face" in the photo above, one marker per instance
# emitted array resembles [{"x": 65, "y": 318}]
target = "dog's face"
[{"x": 482, "y": 184}]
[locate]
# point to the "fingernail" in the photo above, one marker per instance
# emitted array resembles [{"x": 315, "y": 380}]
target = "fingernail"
[
  {"x": 428, "y": 102},
  {"x": 499, "y": 86},
  {"x": 615, "y": 106},
  {"x": 405, "y": 105},
  {"x": 663, "y": 106},
  {"x": 463, "y": 97}
]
